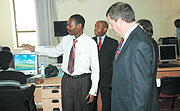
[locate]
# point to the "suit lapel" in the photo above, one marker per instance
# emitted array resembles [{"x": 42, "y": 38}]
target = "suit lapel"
[
  {"x": 104, "y": 45},
  {"x": 128, "y": 41}
]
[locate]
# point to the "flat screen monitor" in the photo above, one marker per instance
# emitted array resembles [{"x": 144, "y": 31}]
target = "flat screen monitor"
[
  {"x": 170, "y": 40},
  {"x": 167, "y": 53},
  {"x": 60, "y": 28},
  {"x": 26, "y": 63}
]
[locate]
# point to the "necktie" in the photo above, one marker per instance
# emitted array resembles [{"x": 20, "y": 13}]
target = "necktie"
[
  {"x": 100, "y": 43},
  {"x": 118, "y": 49},
  {"x": 72, "y": 58}
]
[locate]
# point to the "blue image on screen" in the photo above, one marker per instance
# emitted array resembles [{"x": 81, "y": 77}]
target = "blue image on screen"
[{"x": 24, "y": 62}]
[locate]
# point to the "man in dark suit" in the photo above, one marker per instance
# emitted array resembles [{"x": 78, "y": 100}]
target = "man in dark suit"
[
  {"x": 106, "y": 51},
  {"x": 134, "y": 75}
]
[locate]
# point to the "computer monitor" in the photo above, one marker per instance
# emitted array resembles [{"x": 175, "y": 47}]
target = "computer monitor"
[
  {"x": 26, "y": 63},
  {"x": 167, "y": 53},
  {"x": 60, "y": 28},
  {"x": 170, "y": 40}
]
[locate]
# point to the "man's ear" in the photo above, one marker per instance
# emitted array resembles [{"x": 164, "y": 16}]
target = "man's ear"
[
  {"x": 105, "y": 29},
  {"x": 11, "y": 64},
  {"x": 120, "y": 22},
  {"x": 79, "y": 25}
]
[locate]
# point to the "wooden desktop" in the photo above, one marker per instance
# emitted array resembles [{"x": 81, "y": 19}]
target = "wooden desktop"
[
  {"x": 173, "y": 71},
  {"x": 170, "y": 71}
]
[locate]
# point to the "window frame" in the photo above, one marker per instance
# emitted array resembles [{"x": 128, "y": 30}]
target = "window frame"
[{"x": 16, "y": 42}]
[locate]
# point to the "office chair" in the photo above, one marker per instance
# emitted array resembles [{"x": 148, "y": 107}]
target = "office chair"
[
  {"x": 12, "y": 100},
  {"x": 170, "y": 88}
]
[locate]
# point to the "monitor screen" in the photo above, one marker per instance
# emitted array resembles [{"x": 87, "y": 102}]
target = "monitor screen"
[
  {"x": 167, "y": 53},
  {"x": 26, "y": 63},
  {"x": 170, "y": 40},
  {"x": 60, "y": 28}
]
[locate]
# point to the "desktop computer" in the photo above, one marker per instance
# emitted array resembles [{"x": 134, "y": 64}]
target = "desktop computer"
[{"x": 26, "y": 63}]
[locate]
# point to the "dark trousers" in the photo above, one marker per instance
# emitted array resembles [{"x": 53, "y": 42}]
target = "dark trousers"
[
  {"x": 106, "y": 98},
  {"x": 74, "y": 92}
]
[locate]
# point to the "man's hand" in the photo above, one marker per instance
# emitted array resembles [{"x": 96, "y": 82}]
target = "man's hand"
[
  {"x": 91, "y": 98},
  {"x": 39, "y": 81},
  {"x": 27, "y": 47}
]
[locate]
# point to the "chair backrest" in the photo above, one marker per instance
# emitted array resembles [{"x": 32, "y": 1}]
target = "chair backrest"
[
  {"x": 12, "y": 100},
  {"x": 170, "y": 85}
]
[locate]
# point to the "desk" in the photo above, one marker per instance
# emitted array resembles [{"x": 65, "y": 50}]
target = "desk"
[
  {"x": 173, "y": 71},
  {"x": 42, "y": 93},
  {"x": 48, "y": 94},
  {"x": 161, "y": 72}
]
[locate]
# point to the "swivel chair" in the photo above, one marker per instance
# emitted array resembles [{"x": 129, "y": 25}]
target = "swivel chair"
[
  {"x": 170, "y": 88},
  {"x": 12, "y": 100}
]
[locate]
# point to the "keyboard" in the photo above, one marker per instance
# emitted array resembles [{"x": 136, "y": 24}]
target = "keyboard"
[{"x": 164, "y": 65}]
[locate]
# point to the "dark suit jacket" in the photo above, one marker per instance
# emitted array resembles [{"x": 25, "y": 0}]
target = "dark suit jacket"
[
  {"x": 134, "y": 75},
  {"x": 156, "y": 50},
  {"x": 106, "y": 57}
]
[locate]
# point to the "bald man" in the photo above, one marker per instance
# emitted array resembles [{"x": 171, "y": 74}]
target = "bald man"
[{"x": 106, "y": 52}]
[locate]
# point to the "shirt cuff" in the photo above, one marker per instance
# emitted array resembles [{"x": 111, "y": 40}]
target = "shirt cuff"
[
  {"x": 93, "y": 92},
  {"x": 34, "y": 84}
]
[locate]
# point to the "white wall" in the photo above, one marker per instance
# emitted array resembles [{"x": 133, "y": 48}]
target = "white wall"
[
  {"x": 6, "y": 38},
  {"x": 161, "y": 13}
]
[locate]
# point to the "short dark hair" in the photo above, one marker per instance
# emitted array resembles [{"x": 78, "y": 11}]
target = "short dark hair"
[
  {"x": 177, "y": 23},
  {"x": 78, "y": 19},
  {"x": 5, "y": 59},
  {"x": 6, "y": 48},
  {"x": 121, "y": 10},
  {"x": 105, "y": 23},
  {"x": 147, "y": 26}
]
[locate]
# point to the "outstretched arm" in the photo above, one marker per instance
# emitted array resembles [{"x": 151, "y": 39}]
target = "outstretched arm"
[{"x": 28, "y": 47}]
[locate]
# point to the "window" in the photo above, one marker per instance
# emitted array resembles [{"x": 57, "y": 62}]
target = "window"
[{"x": 25, "y": 22}]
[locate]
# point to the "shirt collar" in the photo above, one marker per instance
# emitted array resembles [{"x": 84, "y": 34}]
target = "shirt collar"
[
  {"x": 9, "y": 69},
  {"x": 102, "y": 38},
  {"x": 80, "y": 38},
  {"x": 129, "y": 32}
]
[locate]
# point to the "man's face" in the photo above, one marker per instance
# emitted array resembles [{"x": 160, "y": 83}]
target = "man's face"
[
  {"x": 114, "y": 25},
  {"x": 100, "y": 29},
  {"x": 72, "y": 27}
]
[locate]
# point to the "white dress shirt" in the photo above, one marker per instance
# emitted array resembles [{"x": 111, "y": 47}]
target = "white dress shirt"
[
  {"x": 86, "y": 57},
  {"x": 128, "y": 33}
]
